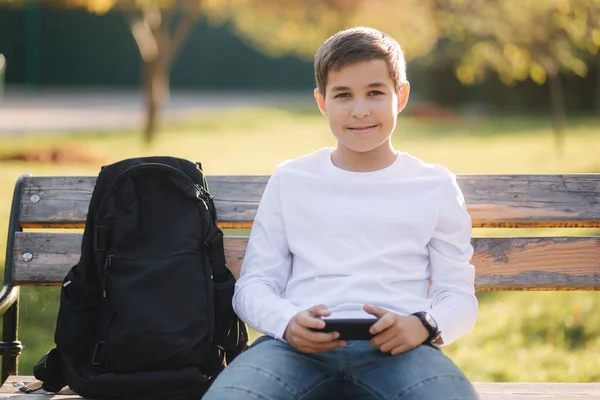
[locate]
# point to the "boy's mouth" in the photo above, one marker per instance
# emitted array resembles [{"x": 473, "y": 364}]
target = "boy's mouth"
[{"x": 361, "y": 128}]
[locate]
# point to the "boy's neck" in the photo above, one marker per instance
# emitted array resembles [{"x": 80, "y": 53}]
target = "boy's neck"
[{"x": 374, "y": 160}]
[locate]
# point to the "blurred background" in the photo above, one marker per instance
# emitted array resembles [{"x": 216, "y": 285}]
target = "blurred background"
[{"x": 497, "y": 86}]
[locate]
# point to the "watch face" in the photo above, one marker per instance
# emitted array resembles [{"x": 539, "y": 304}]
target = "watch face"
[{"x": 430, "y": 320}]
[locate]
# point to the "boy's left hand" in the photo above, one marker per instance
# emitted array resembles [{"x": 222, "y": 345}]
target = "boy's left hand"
[{"x": 395, "y": 333}]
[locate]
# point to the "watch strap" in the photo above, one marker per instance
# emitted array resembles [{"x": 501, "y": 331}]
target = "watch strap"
[{"x": 434, "y": 333}]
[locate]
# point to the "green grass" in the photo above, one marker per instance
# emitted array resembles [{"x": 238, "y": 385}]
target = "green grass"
[{"x": 531, "y": 336}]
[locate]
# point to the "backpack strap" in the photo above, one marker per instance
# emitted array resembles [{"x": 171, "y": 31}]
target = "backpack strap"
[
  {"x": 217, "y": 255},
  {"x": 101, "y": 242},
  {"x": 101, "y": 238},
  {"x": 49, "y": 371}
]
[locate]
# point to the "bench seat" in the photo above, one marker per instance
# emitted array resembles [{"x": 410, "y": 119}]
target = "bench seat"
[
  {"x": 486, "y": 390},
  {"x": 37, "y": 256}
]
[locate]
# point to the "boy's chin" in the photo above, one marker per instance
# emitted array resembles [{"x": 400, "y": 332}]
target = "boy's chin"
[{"x": 362, "y": 148}]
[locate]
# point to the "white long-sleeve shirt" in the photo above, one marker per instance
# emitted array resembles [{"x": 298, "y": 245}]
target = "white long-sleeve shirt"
[{"x": 324, "y": 235}]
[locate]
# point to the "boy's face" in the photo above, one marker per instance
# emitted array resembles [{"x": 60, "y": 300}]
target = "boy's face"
[{"x": 362, "y": 105}]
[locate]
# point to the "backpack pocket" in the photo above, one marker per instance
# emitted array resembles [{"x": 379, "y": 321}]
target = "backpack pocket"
[
  {"x": 77, "y": 319},
  {"x": 149, "y": 311}
]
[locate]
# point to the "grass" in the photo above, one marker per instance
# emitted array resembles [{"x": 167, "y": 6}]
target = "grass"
[{"x": 529, "y": 336}]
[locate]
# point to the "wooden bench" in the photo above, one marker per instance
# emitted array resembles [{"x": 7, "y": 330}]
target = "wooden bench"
[{"x": 35, "y": 257}]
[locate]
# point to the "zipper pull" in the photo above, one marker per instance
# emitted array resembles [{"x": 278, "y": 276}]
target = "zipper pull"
[
  {"x": 199, "y": 192},
  {"x": 107, "y": 264},
  {"x": 204, "y": 191},
  {"x": 203, "y": 202}
]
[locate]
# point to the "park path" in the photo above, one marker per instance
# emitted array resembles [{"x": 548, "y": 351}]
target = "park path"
[{"x": 55, "y": 110}]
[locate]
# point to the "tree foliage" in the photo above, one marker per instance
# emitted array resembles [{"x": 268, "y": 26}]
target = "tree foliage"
[
  {"x": 516, "y": 39},
  {"x": 276, "y": 27},
  {"x": 520, "y": 39},
  {"x": 299, "y": 27}
]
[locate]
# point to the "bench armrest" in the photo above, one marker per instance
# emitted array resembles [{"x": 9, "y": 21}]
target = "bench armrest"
[
  {"x": 10, "y": 293},
  {"x": 8, "y": 296}
]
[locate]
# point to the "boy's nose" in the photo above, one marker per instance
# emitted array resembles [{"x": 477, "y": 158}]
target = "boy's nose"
[{"x": 360, "y": 111}]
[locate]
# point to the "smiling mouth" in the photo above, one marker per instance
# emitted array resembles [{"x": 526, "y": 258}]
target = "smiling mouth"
[{"x": 361, "y": 129}]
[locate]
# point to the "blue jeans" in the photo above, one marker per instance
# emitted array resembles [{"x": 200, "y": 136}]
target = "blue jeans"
[{"x": 272, "y": 370}]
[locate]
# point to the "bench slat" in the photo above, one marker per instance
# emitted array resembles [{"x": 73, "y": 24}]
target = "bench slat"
[
  {"x": 64, "y": 201},
  {"x": 486, "y": 390},
  {"x": 561, "y": 263},
  {"x": 550, "y": 263},
  {"x": 493, "y": 200},
  {"x": 55, "y": 253},
  {"x": 539, "y": 391}
]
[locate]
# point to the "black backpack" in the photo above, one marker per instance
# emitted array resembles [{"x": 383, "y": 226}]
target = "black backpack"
[{"x": 146, "y": 313}]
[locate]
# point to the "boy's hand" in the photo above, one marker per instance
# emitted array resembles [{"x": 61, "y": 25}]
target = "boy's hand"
[
  {"x": 301, "y": 338},
  {"x": 395, "y": 333}
]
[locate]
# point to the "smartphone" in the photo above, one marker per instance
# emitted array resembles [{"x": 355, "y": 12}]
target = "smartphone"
[{"x": 349, "y": 328}]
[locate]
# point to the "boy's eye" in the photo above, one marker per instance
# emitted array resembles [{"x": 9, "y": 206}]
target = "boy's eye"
[
  {"x": 375, "y": 93},
  {"x": 342, "y": 96}
]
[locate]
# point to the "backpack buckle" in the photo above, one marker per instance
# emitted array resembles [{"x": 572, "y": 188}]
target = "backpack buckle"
[
  {"x": 98, "y": 354},
  {"x": 100, "y": 238}
]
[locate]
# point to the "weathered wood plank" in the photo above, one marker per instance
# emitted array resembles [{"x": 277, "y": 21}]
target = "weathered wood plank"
[
  {"x": 486, "y": 390},
  {"x": 493, "y": 200},
  {"x": 556, "y": 263},
  {"x": 63, "y": 201},
  {"x": 538, "y": 391},
  {"x": 53, "y": 254},
  {"x": 10, "y": 390},
  {"x": 566, "y": 263},
  {"x": 571, "y": 200}
]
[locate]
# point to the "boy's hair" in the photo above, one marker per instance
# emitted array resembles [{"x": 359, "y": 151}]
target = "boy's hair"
[{"x": 355, "y": 45}]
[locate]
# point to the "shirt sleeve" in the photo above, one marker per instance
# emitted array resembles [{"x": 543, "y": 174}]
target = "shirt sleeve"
[
  {"x": 455, "y": 306},
  {"x": 266, "y": 268}
]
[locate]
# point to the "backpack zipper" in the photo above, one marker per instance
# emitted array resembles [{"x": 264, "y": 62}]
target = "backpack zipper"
[
  {"x": 107, "y": 264},
  {"x": 198, "y": 188}
]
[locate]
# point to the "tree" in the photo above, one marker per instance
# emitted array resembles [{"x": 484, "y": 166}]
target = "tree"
[
  {"x": 160, "y": 28},
  {"x": 299, "y": 27},
  {"x": 277, "y": 27},
  {"x": 524, "y": 39}
]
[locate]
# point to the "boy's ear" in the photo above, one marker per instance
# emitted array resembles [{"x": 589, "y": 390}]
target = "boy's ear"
[
  {"x": 321, "y": 102},
  {"x": 403, "y": 96}
]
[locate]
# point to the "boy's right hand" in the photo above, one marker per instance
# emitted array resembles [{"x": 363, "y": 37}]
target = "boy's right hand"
[{"x": 299, "y": 335}]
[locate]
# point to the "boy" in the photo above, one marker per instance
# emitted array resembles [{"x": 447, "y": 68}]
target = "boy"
[{"x": 356, "y": 232}]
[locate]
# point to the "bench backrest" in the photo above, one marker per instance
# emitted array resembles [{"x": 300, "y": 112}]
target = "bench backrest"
[{"x": 41, "y": 255}]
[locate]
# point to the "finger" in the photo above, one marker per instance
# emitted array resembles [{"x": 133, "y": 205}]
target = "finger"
[
  {"x": 319, "y": 310},
  {"x": 318, "y": 337},
  {"x": 317, "y": 348},
  {"x": 382, "y": 323},
  {"x": 391, "y": 344},
  {"x": 375, "y": 310},
  {"x": 309, "y": 333},
  {"x": 306, "y": 320},
  {"x": 301, "y": 336},
  {"x": 383, "y": 337},
  {"x": 401, "y": 349}
]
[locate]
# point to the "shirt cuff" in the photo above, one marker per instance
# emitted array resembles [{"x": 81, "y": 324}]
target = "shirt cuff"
[
  {"x": 442, "y": 327},
  {"x": 286, "y": 316}
]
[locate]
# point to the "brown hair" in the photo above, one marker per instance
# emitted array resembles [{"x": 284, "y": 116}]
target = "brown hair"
[{"x": 355, "y": 45}]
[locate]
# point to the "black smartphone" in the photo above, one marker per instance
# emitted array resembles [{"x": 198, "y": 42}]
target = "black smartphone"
[{"x": 349, "y": 328}]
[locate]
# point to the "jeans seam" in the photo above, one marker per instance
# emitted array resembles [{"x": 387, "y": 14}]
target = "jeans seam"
[
  {"x": 421, "y": 383},
  {"x": 344, "y": 373},
  {"x": 270, "y": 375},
  {"x": 244, "y": 390},
  {"x": 367, "y": 388},
  {"x": 312, "y": 388}
]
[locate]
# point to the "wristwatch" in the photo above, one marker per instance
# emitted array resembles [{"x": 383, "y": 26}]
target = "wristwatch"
[{"x": 429, "y": 324}]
